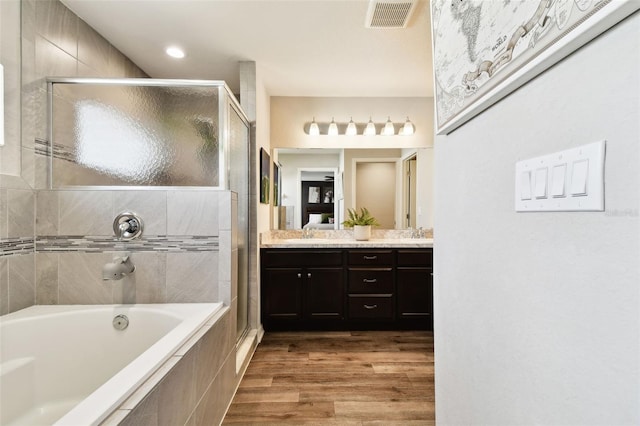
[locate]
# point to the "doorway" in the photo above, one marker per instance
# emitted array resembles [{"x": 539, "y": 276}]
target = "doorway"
[
  {"x": 375, "y": 189},
  {"x": 410, "y": 177}
]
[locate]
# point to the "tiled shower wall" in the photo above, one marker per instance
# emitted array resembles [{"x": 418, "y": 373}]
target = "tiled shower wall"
[
  {"x": 53, "y": 244},
  {"x": 187, "y": 235}
]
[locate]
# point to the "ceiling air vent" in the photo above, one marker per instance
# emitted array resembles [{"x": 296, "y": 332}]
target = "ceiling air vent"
[{"x": 389, "y": 13}]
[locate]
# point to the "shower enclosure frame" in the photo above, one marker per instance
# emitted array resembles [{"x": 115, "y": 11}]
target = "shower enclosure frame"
[{"x": 226, "y": 102}]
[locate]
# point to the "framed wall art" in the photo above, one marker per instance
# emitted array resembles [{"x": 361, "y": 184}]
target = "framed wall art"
[
  {"x": 265, "y": 173},
  {"x": 484, "y": 50}
]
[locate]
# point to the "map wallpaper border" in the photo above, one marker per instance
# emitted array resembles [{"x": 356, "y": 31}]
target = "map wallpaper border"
[{"x": 483, "y": 50}]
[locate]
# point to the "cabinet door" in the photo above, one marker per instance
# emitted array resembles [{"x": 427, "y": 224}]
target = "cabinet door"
[
  {"x": 282, "y": 293},
  {"x": 324, "y": 293},
  {"x": 414, "y": 292}
]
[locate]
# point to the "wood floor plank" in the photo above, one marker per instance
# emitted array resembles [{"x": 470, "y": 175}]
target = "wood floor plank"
[
  {"x": 370, "y": 356},
  {"x": 388, "y": 410},
  {"x": 246, "y": 395},
  {"x": 280, "y": 412},
  {"x": 338, "y": 378},
  {"x": 409, "y": 368}
]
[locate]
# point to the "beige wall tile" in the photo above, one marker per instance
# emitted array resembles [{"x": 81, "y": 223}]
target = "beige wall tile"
[
  {"x": 51, "y": 61},
  {"x": 58, "y": 24},
  {"x": 80, "y": 279},
  {"x": 21, "y": 213},
  {"x": 85, "y": 213},
  {"x": 22, "y": 292},
  {"x": 149, "y": 277},
  {"x": 213, "y": 350},
  {"x": 146, "y": 413},
  {"x": 4, "y": 213},
  {"x": 213, "y": 405},
  {"x": 4, "y": 285},
  {"x": 47, "y": 278},
  {"x": 192, "y": 212},
  {"x": 177, "y": 397},
  {"x": 93, "y": 49},
  {"x": 192, "y": 277},
  {"x": 47, "y": 213}
]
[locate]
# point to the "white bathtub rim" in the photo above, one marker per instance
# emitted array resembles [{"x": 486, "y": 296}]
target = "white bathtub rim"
[{"x": 110, "y": 395}]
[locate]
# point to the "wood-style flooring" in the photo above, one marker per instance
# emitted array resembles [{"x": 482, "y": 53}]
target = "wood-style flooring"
[{"x": 338, "y": 378}]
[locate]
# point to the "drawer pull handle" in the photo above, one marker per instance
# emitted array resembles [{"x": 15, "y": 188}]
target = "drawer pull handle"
[
  {"x": 309, "y": 275},
  {"x": 299, "y": 275},
  {"x": 370, "y": 257},
  {"x": 373, "y": 280},
  {"x": 370, "y": 306}
]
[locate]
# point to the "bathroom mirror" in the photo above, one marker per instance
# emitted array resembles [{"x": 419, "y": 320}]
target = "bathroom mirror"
[{"x": 319, "y": 185}]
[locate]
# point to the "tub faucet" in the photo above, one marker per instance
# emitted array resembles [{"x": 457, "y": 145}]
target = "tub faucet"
[{"x": 117, "y": 269}]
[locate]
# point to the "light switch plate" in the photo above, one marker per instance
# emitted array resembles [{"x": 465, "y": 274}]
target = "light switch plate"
[{"x": 583, "y": 186}]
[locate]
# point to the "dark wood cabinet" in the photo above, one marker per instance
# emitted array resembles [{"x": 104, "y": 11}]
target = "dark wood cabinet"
[
  {"x": 342, "y": 289},
  {"x": 302, "y": 289},
  {"x": 414, "y": 275}
]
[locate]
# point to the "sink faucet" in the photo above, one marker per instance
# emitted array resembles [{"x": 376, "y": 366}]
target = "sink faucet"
[
  {"x": 417, "y": 233},
  {"x": 117, "y": 269}
]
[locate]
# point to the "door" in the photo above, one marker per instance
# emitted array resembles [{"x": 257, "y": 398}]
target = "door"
[
  {"x": 325, "y": 293},
  {"x": 376, "y": 190}
]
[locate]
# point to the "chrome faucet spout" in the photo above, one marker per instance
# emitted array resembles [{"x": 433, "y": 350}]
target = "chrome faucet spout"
[{"x": 117, "y": 269}]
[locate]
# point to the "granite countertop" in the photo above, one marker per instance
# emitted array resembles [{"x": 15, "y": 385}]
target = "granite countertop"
[
  {"x": 347, "y": 243},
  {"x": 344, "y": 239}
]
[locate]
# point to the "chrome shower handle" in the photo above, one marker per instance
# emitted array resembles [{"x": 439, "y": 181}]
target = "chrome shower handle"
[{"x": 127, "y": 226}]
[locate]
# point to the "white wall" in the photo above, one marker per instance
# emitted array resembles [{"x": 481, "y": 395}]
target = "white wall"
[{"x": 537, "y": 314}]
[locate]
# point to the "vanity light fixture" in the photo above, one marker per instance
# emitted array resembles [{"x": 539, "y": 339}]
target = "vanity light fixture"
[
  {"x": 314, "y": 129},
  {"x": 175, "y": 52},
  {"x": 408, "y": 128},
  {"x": 351, "y": 128},
  {"x": 370, "y": 130},
  {"x": 333, "y": 128},
  {"x": 389, "y": 130}
]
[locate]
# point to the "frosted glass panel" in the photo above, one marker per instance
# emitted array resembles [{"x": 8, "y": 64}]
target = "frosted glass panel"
[
  {"x": 239, "y": 182},
  {"x": 135, "y": 135}
]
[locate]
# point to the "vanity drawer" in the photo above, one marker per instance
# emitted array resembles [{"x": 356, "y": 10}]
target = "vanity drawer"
[
  {"x": 371, "y": 257},
  {"x": 370, "y": 280},
  {"x": 288, "y": 258},
  {"x": 416, "y": 257},
  {"x": 371, "y": 306}
]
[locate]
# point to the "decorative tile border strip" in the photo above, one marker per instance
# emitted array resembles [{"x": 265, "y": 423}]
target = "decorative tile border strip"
[
  {"x": 157, "y": 243},
  {"x": 15, "y": 246},
  {"x": 59, "y": 151}
]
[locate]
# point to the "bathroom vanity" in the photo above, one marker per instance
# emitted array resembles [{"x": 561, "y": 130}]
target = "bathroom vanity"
[{"x": 343, "y": 284}]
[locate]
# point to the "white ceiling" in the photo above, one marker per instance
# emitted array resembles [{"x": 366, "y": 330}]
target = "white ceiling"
[{"x": 301, "y": 47}]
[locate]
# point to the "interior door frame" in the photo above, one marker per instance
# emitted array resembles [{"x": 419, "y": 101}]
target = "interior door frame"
[
  {"x": 406, "y": 188},
  {"x": 297, "y": 213}
]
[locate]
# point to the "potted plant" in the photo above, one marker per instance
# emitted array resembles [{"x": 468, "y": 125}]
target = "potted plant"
[{"x": 361, "y": 222}]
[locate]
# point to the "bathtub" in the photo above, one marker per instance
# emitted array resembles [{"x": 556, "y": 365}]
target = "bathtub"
[{"x": 69, "y": 365}]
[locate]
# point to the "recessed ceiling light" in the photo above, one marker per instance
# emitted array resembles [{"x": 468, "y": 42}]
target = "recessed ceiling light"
[{"x": 175, "y": 52}]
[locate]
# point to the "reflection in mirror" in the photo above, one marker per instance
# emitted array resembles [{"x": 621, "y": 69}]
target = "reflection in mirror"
[{"x": 319, "y": 185}]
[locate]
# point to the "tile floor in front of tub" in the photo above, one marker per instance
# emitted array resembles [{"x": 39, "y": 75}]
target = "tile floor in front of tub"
[{"x": 339, "y": 378}]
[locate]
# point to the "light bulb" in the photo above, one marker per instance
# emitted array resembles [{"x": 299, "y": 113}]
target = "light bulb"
[
  {"x": 389, "y": 130},
  {"x": 175, "y": 52},
  {"x": 370, "y": 130},
  {"x": 333, "y": 128},
  {"x": 408, "y": 128},
  {"x": 314, "y": 130},
  {"x": 351, "y": 128}
]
